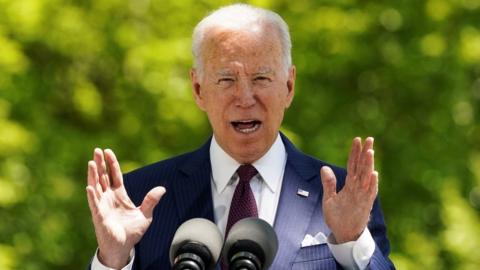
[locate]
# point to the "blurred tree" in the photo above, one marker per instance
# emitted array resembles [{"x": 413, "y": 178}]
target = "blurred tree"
[{"x": 79, "y": 74}]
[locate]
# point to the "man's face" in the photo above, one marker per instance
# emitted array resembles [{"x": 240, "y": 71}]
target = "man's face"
[{"x": 244, "y": 90}]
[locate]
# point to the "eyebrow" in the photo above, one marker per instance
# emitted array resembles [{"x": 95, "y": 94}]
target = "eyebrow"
[
  {"x": 225, "y": 72},
  {"x": 261, "y": 71}
]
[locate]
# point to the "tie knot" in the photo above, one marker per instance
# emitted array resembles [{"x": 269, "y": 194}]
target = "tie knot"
[{"x": 246, "y": 172}]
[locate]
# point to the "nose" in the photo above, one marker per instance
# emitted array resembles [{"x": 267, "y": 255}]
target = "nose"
[{"x": 244, "y": 94}]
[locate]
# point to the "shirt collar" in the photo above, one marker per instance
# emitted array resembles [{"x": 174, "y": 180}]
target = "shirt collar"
[{"x": 270, "y": 166}]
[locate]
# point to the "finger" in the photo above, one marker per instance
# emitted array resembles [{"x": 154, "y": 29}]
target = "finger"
[
  {"x": 102, "y": 168},
  {"x": 364, "y": 148},
  {"x": 93, "y": 178},
  {"x": 151, "y": 200},
  {"x": 329, "y": 182},
  {"x": 367, "y": 145},
  {"x": 92, "y": 200},
  {"x": 365, "y": 162},
  {"x": 354, "y": 155},
  {"x": 115, "y": 171},
  {"x": 373, "y": 187},
  {"x": 99, "y": 160},
  {"x": 366, "y": 170},
  {"x": 371, "y": 147}
]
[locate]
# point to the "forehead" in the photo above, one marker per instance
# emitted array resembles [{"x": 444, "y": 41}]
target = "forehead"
[{"x": 256, "y": 44}]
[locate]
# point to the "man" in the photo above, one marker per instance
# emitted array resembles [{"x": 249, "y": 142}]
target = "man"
[{"x": 244, "y": 80}]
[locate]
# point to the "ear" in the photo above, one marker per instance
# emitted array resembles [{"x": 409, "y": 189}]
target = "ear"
[
  {"x": 196, "y": 89},
  {"x": 292, "y": 73}
]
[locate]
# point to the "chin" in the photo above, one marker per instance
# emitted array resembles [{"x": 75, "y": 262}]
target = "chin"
[
  {"x": 249, "y": 153},
  {"x": 247, "y": 147}
]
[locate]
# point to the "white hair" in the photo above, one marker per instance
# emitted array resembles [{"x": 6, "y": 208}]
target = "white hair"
[{"x": 241, "y": 17}]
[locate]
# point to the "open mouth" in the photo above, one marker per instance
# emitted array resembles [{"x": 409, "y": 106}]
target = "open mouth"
[{"x": 246, "y": 126}]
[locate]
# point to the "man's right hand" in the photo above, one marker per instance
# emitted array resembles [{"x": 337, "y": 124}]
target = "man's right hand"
[{"x": 118, "y": 223}]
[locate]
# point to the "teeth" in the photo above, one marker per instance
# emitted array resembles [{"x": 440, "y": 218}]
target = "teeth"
[{"x": 248, "y": 130}]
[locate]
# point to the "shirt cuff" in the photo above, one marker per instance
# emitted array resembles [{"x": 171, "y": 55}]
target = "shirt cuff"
[
  {"x": 97, "y": 265},
  {"x": 353, "y": 255}
]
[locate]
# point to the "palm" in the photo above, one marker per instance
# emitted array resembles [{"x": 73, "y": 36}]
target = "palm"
[
  {"x": 346, "y": 212},
  {"x": 119, "y": 224},
  {"x": 355, "y": 218},
  {"x": 125, "y": 222}
]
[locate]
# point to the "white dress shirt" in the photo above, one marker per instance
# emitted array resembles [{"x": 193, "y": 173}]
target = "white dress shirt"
[{"x": 266, "y": 187}]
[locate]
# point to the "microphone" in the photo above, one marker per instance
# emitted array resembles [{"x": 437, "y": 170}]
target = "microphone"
[
  {"x": 196, "y": 245},
  {"x": 251, "y": 245}
]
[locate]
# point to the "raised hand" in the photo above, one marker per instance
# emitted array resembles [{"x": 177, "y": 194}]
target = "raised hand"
[
  {"x": 118, "y": 223},
  {"x": 346, "y": 212}
]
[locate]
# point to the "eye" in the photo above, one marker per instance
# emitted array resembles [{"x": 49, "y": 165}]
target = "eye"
[
  {"x": 262, "y": 79},
  {"x": 225, "y": 81}
]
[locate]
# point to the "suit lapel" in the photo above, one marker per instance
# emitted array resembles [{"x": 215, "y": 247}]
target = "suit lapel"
[
  {"x": 192, "y": 187},
  {"x": 294, "y": 212},
  {"x": 193, "y": 196}
]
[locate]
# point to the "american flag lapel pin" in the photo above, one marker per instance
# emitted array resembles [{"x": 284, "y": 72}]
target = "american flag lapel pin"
[{"x": 302, "y": 193}]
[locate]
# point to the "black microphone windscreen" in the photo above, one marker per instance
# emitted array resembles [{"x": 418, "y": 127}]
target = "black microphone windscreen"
[
  {"x": 197, "y": 230},
  {"x": 256, "y": 231}
]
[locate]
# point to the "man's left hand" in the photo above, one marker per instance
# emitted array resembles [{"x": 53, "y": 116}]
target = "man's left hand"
[{"x": 347, "y": 212}]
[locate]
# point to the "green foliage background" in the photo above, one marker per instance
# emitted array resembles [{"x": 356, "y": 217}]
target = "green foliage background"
[{"x": 114, "y": 73}]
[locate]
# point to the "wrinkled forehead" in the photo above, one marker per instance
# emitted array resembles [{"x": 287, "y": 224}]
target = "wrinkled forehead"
[{"x": 234, "y": 44}]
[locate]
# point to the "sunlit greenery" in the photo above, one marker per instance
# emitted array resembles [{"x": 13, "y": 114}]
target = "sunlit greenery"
[{"x": 115, "y": 73}]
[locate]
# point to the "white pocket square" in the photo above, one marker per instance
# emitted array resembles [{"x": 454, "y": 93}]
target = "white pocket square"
[{"x": 310, "y": 240}]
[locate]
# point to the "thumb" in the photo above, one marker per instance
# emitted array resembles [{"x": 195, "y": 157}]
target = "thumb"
[
  {"x": 329, "y": 182},
  {"x": 151, "y": 200}
]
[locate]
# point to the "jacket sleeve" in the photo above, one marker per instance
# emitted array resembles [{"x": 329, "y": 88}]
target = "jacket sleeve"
[{"x": 377, "y": 227}]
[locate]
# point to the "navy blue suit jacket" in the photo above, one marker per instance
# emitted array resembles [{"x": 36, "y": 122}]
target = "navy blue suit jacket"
[{"x": 187, "y": 179}]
